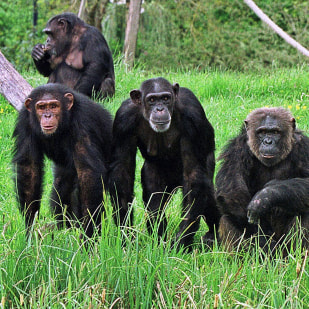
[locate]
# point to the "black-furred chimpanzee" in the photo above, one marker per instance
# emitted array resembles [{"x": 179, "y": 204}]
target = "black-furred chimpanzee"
[
  {"x": 264, "y": 178},
  {"x": 77, "y": 55},
  {"x": 76, "y": 134},
  {"x": 169, "y": 126}
]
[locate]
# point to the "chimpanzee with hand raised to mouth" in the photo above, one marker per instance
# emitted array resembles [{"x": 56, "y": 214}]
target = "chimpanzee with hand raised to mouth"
[{"x": 77, "y": 55}]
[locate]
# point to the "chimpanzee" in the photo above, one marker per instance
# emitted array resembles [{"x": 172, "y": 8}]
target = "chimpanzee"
[
  {"x": 264, "y": 175},
  {"x": 76, "y": 134},
  {"x": 77, "y": 55},
  {"x": 169, "y": 127}
]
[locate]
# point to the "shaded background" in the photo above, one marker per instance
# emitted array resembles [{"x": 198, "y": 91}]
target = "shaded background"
[{"x": 173, "y": 35}]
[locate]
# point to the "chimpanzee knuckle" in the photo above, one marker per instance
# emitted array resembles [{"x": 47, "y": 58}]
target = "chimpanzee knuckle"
[
  {"x": 37, "y": 54},
  {"x": 252, "y": 217}
]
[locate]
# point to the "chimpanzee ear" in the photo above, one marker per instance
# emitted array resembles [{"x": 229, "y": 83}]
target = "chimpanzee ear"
[
  {"x": 176, "y": 89},
  {"x": 293, "y": 123},
  {"x": 27, "y": 104},
  {"x": 246, "y": 124},
  {"x": 62, "y": 23},
  {"x": 70, "y": 98},
  {"x": 136, "y": 96}
]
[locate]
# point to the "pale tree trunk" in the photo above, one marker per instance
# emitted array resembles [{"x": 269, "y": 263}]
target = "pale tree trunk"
[
  {"x": 13, "y": 86},
  {"x": 276, "y": 28},
  {"x": 82, "y": 10},
  {"x": 131, "y": 32},
  {"x": 92, "y": 12}
]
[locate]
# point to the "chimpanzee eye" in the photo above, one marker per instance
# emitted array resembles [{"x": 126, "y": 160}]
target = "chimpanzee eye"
[
  {"x": 151, "y": 100},
  {"x": 53, "y": 106}
]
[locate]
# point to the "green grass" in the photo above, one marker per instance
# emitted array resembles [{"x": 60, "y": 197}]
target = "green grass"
[{"x": 54, "y": 270}]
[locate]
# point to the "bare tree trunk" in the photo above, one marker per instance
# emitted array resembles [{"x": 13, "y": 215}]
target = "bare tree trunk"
[
  {"x": 92, "y": 12},
  {"x": 82, "y": 10},
  {"x": 13, "y": 86},
  {"x": 131, "y": 32},
  {"x": 96, "y": 13},
  {"x": 276, "y": 28}
]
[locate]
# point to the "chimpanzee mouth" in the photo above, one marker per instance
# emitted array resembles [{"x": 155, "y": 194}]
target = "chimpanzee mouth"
[
  {"x": 161, "y": 123},
  {"x": 160, "y": 126},
  {"x": 49, "y": 129},
  {"x": 268, "y": 156}
]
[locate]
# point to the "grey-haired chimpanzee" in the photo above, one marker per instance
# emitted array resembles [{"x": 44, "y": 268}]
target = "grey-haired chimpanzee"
[
  {"x": 76, "y": 134},
  {"x": 264, "y": 178},
  {"x": 168, "y": 125},
  {"x": 77, "y": 55}
]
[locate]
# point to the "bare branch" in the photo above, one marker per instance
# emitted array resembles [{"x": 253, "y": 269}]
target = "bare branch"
[
  {"x": 13, "y": 86},
  {"x": 276, "y": 28}
]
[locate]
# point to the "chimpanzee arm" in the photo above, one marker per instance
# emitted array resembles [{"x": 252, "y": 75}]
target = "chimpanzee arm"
[
  {"x": 91, "y": 173},
  {"x": 232, "y": 192},
  {"x": 29, "y": 189},
  {"x": 197, "y": 152},
  {"x": 291, "y": 195},
  {"x": 198, "y": 192},
  {"x": 122, "y": 171},
  {"x": 28, "y": 165},
  {"x": 40, "y": 59},
  {"x": 97, "y": 64}
]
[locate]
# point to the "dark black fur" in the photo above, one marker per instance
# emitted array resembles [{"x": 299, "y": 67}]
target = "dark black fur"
[
  {"x": 80, "y": 150},
  {"x": 271, "y": 195},
  {"x": 95, "y": 73},
  {"x": 181, "y": 156}
]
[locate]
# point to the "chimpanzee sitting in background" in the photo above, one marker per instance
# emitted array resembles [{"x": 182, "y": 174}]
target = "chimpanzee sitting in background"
[
  {"x": 265, "y": 176},
  {"x": 77, "y": 55},
  {"x": 75, "y": 133},
  {"x": 169, "y": 126}
]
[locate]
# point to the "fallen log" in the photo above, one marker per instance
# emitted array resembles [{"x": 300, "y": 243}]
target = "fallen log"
[{"x": 13, "y": 86}]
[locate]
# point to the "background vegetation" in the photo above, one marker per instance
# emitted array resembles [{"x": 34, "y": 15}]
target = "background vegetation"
[
  {"x": 189, "y": 34},
  {"x": 53, "y": 269}
]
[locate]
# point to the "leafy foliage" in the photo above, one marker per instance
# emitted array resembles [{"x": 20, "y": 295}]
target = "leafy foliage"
[
  {"x": 175, "y": 34},
  {"x": 217, "y": 33},
  {"x": 17, "y": 33}
]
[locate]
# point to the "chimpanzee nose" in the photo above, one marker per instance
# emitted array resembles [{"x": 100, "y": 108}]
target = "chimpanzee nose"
[{"x": 268, "y": 141}]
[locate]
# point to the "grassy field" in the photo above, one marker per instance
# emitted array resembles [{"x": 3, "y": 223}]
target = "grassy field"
[{"x": 53, "y": 270}]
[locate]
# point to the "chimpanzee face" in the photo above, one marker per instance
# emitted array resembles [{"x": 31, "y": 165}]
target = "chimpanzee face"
[
  {"x": 48, "y": 111},
  {"x": 58, "y": 38},
  {"x": 270, "y": 138},
  {"x": 158, "y": 110},
  {"x": 157, "y": 99}
]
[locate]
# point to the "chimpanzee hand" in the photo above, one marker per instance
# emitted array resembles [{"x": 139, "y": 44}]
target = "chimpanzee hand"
[
  {"x": 38, "y": 52},
  {"x": 258, "y": 206}
]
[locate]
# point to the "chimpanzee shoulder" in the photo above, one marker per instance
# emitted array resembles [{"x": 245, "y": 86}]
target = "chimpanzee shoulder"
[
  {"x": 90, "y": 118},
  {"x": 299, "y": 155},
  {"x": 237, "y": 150},
  {"x": 23, "y": 131},
  {"x": 194, "y": 123},
  {"x": 127, "y": 118}
]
